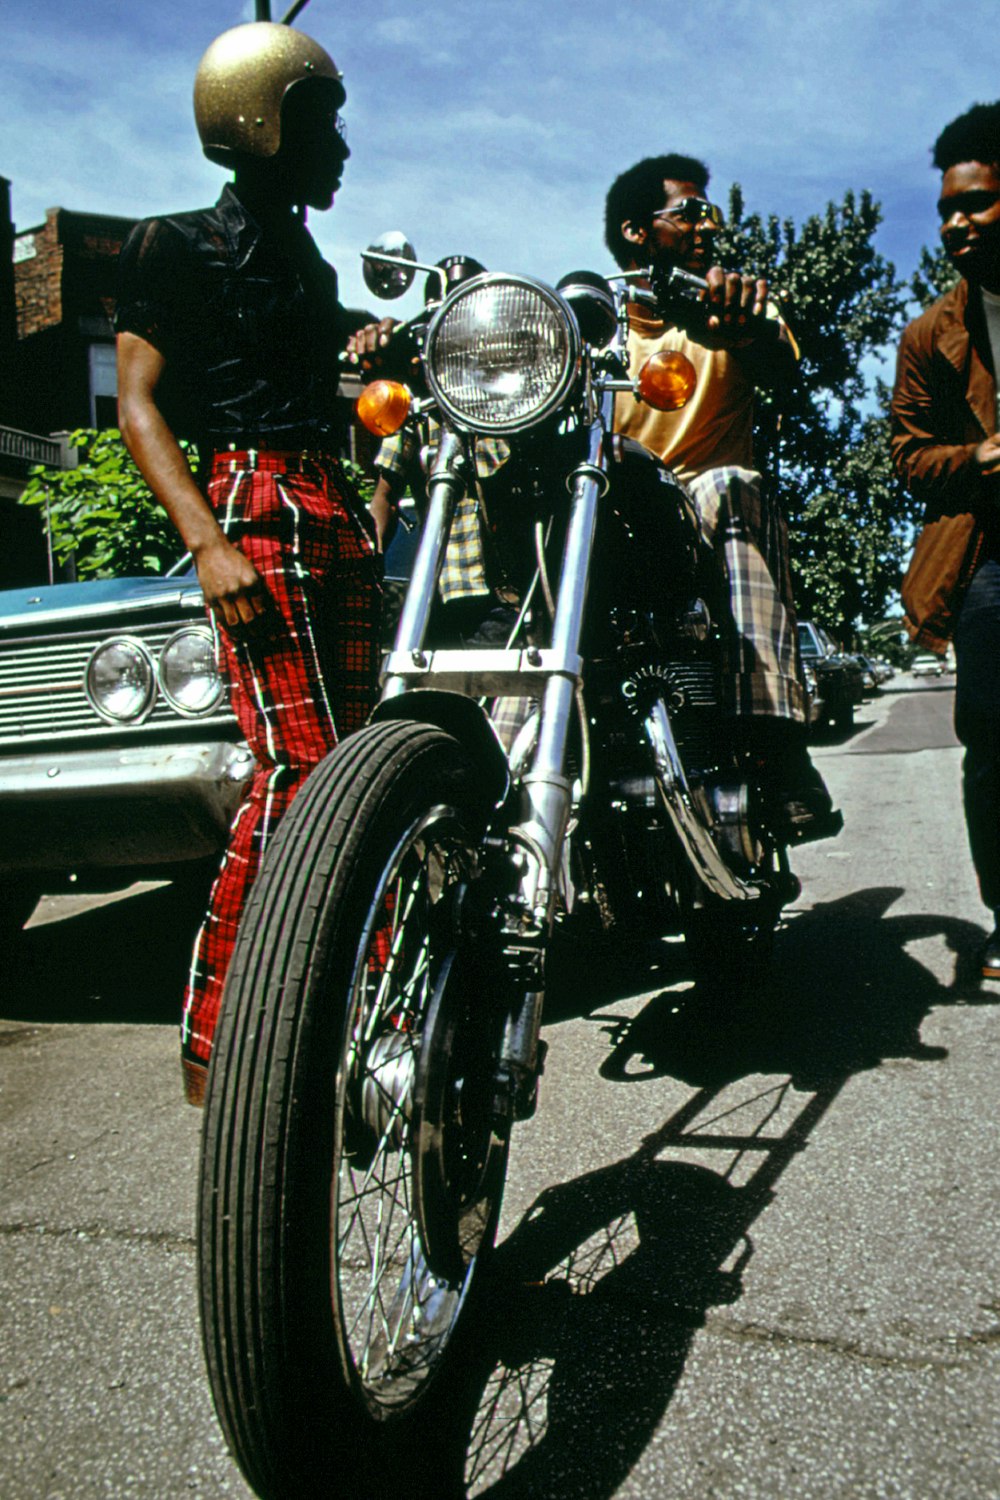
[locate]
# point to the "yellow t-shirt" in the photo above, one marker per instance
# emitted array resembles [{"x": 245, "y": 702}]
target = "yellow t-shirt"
[{"x": 716, "y": 426}]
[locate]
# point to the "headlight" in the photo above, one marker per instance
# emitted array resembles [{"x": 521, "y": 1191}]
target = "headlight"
[
  {"x": 501, "y": 353},
  {"x": 187, "y": 674},
  {"x": 120, "y": 683}
]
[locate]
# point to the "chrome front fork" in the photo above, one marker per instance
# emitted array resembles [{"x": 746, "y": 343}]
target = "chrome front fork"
[
  {"x": 552, "y": 674},
  {"x": 546, "y": 787}
]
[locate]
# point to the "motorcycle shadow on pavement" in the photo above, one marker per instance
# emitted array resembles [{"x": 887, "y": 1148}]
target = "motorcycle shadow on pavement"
[
  {"x": 843, "y": 994},
  {"x": 593, "y": 1301},
  {"x": 121, "y": 963}
]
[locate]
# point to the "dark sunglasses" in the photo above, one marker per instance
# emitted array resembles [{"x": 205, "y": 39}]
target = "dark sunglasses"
[
  {"x": 966, "y": 204},
  {"x": 693, "y": 211}
]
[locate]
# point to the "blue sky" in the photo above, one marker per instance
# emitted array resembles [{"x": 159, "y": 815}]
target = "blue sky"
[{"x": 495, "y": 128}]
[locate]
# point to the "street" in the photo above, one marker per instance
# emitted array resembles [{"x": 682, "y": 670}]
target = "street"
[{"x": 749, "y": 1248}]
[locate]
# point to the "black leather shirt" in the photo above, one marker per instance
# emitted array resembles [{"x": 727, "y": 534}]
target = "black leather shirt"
[{"x": 248, "y": 321}]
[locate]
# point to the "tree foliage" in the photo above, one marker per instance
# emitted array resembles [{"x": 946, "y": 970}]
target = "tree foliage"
[
  {"x": 934, "y": 276},
  {"x": 850, "y": 523},
  {"x": 102, "y": 513}
]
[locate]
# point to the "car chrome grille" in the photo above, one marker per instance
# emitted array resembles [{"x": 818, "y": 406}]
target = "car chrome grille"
[{"x": 42, "y": 693}]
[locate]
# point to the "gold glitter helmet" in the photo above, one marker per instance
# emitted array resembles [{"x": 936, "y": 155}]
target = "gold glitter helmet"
[{"x": 241, "y": 84}]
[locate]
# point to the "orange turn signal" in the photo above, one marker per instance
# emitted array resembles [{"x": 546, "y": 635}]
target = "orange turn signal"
[
  {"x": 667, "y": 380},
  {"x": 383, "y": 407}
]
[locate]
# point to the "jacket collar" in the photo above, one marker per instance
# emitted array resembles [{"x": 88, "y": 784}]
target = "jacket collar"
[
  {"x": 244, "y": 232},
  {"x": 961, "y": 337},
  {"x": 241, "y": 230}
]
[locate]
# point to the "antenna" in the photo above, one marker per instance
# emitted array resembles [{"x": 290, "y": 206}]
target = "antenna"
[{"x": 263, "y": 11}]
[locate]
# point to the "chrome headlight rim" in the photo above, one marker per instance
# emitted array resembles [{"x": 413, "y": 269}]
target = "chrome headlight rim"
[
  {"x": 571, "y": 364},
  {"x": 142, "y": 651},
  {"x": 202, "y": 632}
]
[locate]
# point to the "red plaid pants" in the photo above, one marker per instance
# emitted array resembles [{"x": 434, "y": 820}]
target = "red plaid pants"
[{"x": 295, "y": 689}]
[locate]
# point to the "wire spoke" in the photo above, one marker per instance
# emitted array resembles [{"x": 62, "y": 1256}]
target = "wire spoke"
[{"x": 396, "y": 1315}]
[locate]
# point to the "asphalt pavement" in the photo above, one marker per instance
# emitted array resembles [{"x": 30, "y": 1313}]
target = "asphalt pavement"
[{"x": 749, "y": 1245}]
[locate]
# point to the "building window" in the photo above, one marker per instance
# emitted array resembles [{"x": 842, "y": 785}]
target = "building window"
[{"x": 103, "y": 386}]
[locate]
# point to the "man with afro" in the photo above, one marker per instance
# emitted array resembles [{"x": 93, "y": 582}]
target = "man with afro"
[{"x": 946, "y": 449}]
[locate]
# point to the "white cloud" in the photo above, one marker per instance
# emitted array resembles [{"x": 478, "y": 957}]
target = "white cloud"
[{"x": 496, "y": 127}]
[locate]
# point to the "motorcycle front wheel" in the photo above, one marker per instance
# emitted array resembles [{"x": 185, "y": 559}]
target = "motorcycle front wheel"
[{"x": 351, "y": 1167}]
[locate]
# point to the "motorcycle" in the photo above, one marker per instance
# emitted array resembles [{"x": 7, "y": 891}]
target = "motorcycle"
[{"x": 380, "y": 1032}]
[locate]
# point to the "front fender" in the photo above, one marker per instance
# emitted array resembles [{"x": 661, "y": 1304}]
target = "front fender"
[{"x": 465, "y": 720}]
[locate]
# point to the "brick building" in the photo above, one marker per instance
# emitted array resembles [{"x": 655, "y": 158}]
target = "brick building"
[
  {"x": 24, "y": 557},
  {"x": 64, "y": 282}
]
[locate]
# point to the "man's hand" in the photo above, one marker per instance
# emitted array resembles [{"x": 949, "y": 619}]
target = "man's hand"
[
  {"x": 234, "y": 591},
  {"x": 365, "y": 345},
  {"x": 987, "y": 456},
  {"x": 732, "y": 301}
]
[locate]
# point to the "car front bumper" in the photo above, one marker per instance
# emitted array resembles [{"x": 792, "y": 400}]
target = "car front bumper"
[{"x": 149, "y": 806}]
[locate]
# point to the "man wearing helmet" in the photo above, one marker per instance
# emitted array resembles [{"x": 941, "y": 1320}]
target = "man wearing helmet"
[{"x": 229, "y": 329}]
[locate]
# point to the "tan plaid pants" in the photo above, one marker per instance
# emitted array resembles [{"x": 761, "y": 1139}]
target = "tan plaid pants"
[{"x": 750, "y": 538}]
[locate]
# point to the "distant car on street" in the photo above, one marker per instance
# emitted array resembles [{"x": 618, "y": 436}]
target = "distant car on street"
[
  {"x": 925, "y": 664},
  {"x": 869, "y": 674},
  {"x": 838, "y": 677}
]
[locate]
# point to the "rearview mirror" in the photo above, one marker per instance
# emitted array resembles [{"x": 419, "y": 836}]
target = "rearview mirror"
[{"x": 389, "y": 265}]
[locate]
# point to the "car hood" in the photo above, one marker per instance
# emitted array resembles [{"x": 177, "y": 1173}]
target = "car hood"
[{"x": 60, "y": 603}]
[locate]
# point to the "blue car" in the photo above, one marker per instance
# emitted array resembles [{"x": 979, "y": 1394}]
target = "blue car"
[{"x": 119, "y": 756}]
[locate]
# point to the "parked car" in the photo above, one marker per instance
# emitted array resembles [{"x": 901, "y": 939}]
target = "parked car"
[
  {"x": 839, "y": 685},
  {"x": 119, "y": 756},
  {"x": 869, "y": 675},
  {"x": 925, "y": 664}
]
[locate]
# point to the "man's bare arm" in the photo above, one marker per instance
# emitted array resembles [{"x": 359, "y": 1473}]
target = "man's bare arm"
[{"x": 232, "y": 587}]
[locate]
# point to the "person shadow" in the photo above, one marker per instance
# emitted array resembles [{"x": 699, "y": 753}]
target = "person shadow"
[{"x": 585, "y": 1324}]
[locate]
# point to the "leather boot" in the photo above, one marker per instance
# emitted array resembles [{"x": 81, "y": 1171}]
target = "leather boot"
[{"x": 798, "y": 803}]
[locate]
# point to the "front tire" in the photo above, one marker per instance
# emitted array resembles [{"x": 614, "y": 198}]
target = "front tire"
[{"x": 351, "y": 1171}]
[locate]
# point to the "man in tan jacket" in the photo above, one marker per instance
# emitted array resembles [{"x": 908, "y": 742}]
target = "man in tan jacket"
[{"x": 946, "y": 449}]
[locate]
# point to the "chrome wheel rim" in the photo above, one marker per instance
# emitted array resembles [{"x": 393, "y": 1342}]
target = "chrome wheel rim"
[{"x": 395, "y": 1314}]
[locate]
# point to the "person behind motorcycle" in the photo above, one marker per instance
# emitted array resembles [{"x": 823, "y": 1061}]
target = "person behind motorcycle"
[
  {"x": 228, "y": 326},
  {"x": 657, "y": 217}
]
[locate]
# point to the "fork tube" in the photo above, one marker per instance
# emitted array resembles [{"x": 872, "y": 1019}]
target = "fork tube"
[
  {"x": 546, "y": 785},
  {"x": 588, "y": 483},
  {"x": 446, "y": 485}
]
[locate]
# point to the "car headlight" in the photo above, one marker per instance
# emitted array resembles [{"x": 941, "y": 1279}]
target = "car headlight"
[
  {"x": 187, "y": 673},
  {"x": 120, "y": 683},
  {"x": 501, "y": 353}
]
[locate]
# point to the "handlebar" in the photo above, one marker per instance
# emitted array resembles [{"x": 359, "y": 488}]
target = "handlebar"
[{"x": 678, "y": 294}]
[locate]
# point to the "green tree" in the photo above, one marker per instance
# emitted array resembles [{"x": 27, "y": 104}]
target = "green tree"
[
  {"x": 934, "y": 276},
  {"x": 849, "y": 520},
  {"x": 102, "y": 512}
]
